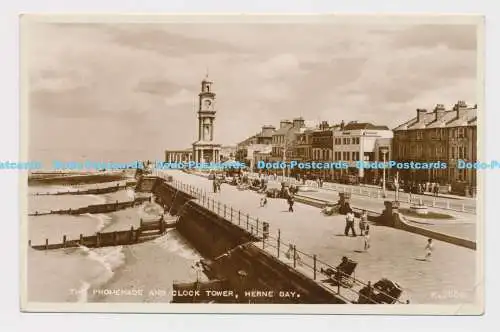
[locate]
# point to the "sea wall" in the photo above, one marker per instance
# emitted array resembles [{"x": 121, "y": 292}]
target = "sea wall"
[
  {"x": 210, "y": 234},
  {"x": 228, "y": 251}
]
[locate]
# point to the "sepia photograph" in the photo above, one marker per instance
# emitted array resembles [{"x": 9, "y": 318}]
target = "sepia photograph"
[{"x": 252, "y": 163}]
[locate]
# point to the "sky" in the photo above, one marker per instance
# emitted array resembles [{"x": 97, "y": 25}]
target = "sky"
[{"x": 126, "y": 91}]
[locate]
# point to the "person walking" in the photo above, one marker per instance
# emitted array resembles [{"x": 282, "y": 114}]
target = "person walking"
[
  {"x": 290, "y": 203},
  {"x": 363, "y": 221},
  {"x": 349, "y": 223},
  {"x": 366, "y": 236},
  {"x": 214, "y": 184},
  {"x": 428, "y": 250}
]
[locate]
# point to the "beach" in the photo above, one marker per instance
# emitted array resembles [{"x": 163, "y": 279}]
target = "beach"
[{"x": 93, "y": 275}]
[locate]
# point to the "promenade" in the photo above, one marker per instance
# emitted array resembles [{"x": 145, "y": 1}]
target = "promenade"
[
  {"x": 394, "y": 254},
  {"x": 443, "y": 201},
  {"x": 462, "y": 224}
]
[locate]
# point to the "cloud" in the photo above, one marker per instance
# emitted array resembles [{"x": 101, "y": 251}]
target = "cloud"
[
  {"x": 147, "y": 77},
  {"x": 157, "y": 87},
  {"x": 182, "y": 97},
  {"x": 151, "y": 38},
  {"x": 453, "y": 36},
  {"x": 279, "y": 66}
]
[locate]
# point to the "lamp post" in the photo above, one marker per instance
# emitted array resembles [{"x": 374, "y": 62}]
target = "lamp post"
[
  {"x": 285, "y": 148},
  {"x": 384, "y": 152},
  {"x": 396, "y": 184}
]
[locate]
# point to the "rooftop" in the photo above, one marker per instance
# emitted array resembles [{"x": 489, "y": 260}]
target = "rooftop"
[
  {"x": 363, "y": 125},
  {"x": 457, "y": 117}
]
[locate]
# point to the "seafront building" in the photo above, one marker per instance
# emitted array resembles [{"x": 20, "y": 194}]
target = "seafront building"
[
  {"x": 440, "y": 135},
  {"x": 361, "y": 142},
  {"x": 258, "y": 144}
]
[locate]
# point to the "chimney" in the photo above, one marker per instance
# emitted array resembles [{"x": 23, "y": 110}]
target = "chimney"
[
  {"x": 285, "y": 124},
  {"x": 324, "y": 125},
  {"x": 460, "y": 107},
  {"x": 439, "y": 111},
  {"x": 298, "y": 123},
  {"x": 420, "y": 114},
  {"x": 342, "y": 124}
]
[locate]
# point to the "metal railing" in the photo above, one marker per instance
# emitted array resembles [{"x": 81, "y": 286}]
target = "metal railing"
[{"x": 286, "y": 251}]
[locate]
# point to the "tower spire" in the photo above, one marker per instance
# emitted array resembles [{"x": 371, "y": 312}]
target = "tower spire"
[{"x": 206, "y": 74}]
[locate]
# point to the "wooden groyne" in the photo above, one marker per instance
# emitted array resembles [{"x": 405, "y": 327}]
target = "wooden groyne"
[
  {"x": 148, "y": 230},
  {"x": 97, "y": 208},
  {"x": 95, "y": 191},
  {"x": 72, "y": 179}
]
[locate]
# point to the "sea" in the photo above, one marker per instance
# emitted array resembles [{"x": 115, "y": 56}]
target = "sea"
[{"x": 142, "y": 272}]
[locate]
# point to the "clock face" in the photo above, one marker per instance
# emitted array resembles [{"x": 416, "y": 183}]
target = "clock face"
[{"x": 208, "y": 103}]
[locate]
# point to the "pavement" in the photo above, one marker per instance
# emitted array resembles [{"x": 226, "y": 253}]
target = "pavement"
[
  {"x": 449, "y": 278},
  {"x": 444, "y": 201},
  {"x": 462, "y": 225}
]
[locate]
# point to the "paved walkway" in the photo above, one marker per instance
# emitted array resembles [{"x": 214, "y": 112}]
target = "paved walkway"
[
  {"x": 462, "y": 225},
  {"x": 448, "y": 202},
  {"x": 395, "y": 254}
]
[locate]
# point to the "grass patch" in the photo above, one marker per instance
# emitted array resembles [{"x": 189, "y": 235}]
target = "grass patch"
[{"x": 429, "y": 215}]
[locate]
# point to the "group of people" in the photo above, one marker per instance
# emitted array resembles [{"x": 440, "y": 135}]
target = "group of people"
[
  {"x": 422, "y": 187},
  {"x": 364, "y": 227}
]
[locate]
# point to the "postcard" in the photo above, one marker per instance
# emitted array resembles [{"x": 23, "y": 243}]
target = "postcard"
[{"x": 245, "y": 163}]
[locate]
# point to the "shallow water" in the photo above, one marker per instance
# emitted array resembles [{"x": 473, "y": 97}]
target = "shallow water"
[{"x": 74, "y": 274}]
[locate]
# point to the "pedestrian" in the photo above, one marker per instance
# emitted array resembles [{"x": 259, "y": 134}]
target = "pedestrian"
[
  {"x": 366, "y": 236},
  {"x": 214, "y": 184},
  {"x": 363, "y": 221},
  {"x": 290, "y": 203},
  {"x": 428, "y": 250},
  {"x": 349, "y": 223},
  {"x": 436, "y": 190},
  {"x": 218, "y": 185},
  {"x": 263, "y": 201}
]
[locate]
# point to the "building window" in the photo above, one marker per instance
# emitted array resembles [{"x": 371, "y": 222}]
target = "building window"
[
  {"x": 461, "y": 132},
  {"x": 345, "y": 156},
  {"x": 462, "y": 152},
  {"x": 419, "y": 135},
  {"x": 438, "y": 151}
]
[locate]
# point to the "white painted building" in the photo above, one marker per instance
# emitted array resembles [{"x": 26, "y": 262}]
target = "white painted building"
[{"x": 361, "y": 142}]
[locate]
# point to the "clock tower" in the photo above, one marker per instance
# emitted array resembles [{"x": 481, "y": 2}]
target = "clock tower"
[{"x": 205, "y": 149}]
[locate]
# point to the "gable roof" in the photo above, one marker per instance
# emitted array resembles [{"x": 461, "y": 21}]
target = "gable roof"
[{"x": 450, "y": 118}]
